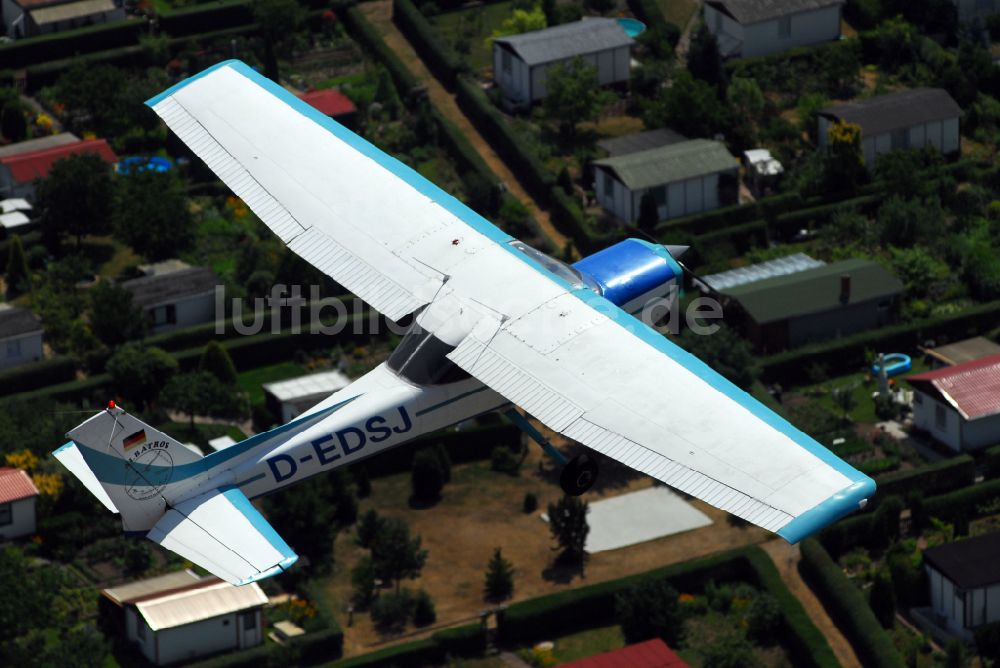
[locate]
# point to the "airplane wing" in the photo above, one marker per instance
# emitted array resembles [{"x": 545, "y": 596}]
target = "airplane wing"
[
  {"x": 224, "y": 534},
  {"x": 566, "y": 355}
]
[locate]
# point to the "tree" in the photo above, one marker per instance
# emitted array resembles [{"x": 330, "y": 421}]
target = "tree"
[
  {"x": 883, "y": 600},
  {"x": 279, "y": 20},
  {"x": 690, "y": 106},
  {"x": 499, "y": 585},
  {"x": 114, "y": 319},
  {"x": 650, "y": 609},
  {"x": 730, "y": 651},
  {"x": 907, "y": 222},
  {"x": 844, "y": 166},
  {"x": 390, "y": 611},
  {"x": 521, "y": 21},
  {"x": 568, "y": 523},
  {"x": 427, "y": 477},
  {"x": 199, "y": 393},
  {"x": 386, "y": 94},
  {"x": 151, "y": 214},
  {"x": 363, "y": 583},
  {"x": 649, "y": 214},
  {"x": 216, "y": 361},
  {"x": 530, "y": 503},
  {"x": 573, "y": 95},
  {"x": 746, "y": 102},
  {"x": 704, "y": 61},
  {"x": 75, "y": 199},
  {"x": 726, "y": 352},
  {"x": 764, "y": 619},
  {"x": 845, "y": 400},
  {"x": 13, "y": 126},
  {"x": 308, "y": 521},
  {"x": 369, "y": 528},
  {"x": 18, "y": 276},
  {"x": 139, "y": 373},
  {"x": 424, "y": 613},
  {"x": 395, "y": 554}
]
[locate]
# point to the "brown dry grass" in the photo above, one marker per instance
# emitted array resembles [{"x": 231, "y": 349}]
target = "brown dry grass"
[{"x": 480, "y": 510}]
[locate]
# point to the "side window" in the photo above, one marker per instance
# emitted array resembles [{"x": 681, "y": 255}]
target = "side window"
[
  {"x": 249, "y": 621},
  {"x": 784, "y": 27}
]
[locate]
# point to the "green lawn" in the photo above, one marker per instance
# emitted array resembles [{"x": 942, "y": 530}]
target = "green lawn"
[
  {"x": 251, "y": 381},
  {"x": 588, "y": 643},
  {"x": 476, "y": 24}
]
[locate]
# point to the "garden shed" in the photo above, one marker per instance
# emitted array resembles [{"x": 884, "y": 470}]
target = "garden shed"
[
  {"x": 521, "y": 63},
  {"x": 745, "y": 28},
  {"x": 684, "y": 178}
]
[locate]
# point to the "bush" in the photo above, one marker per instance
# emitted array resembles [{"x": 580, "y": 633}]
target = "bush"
[
  {"x": 882, "y": 599},
  {"x": 390, "y": 611},
  {"x": 423, "y": 609},
  {"x": 764, "y": 619},
  {"x": 505, "y": 460},
  {"x": 971, "y": 501},
  {"x": 992, "y": 459},
  {"x": 427, "y": 476},
  {"x": 988, "y": 640},
  {"x": 650, "y": 609},
  {"x": 848, "y": 607},
  {"x": 37, "y": 375},
  {"x": 530, "y": 504}
]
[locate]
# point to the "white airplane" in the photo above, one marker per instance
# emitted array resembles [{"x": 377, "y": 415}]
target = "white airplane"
[{"x": 497, "y": 324}]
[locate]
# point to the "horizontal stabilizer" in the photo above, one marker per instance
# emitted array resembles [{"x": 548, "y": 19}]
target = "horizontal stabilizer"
[
  {"x": 70, "y": 456},
  {"x": 224, "y": 534}
]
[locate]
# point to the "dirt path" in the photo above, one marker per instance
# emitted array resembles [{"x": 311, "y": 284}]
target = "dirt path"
[
  {"x": 380, "y": 14},
  {"x": 684, "y": 43},
  {"x": 786, "y": 558}
]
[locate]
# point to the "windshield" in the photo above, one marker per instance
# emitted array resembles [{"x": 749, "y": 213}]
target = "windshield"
[
  {"x": 554, "y": 266},
  {"x": 420, "y": 359}
]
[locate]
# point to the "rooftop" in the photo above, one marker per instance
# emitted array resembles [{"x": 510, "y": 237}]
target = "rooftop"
[
  {"x": 567, "y": 40},
  {"x": 758, "y": 272},
  {"x": 15, "y": 321},
  {"x": 814, "y": 290},
  {"x": 71, "y": 10},
  {"x": 964, "y": 351},
  {"x": 164, "y": 288},
  {"x": 13, "y": 219},
  {"x": 39, "y": 144},
  {"x": 329, "y": 101},
  {"x": 667, "y": 164},
  {"x": 28, "y": 166},
  {"x": 209, "y": 598},
  {"x": 649, "y": 654},
  {"x": 15, "y": 484},
  {"x": 640, "y": 141},
  {"x": 972, "y": 388},
  {"x": 14, "y": 204},
  {"x": 969, "y": 563},
  {"x": 884, "y": 113},
  {"x": 133, "y": 591},
  {"x": 307, "y": 386},
  {"x": 755, "y": 11}
]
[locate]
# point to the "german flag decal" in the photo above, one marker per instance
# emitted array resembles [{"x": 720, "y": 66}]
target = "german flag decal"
[{"x": 138, "y": 438}]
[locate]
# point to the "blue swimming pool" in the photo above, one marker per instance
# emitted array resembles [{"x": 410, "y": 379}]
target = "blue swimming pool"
[{"x": 633, "y": 27}]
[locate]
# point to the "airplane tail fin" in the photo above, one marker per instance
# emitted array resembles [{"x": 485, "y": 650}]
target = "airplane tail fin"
[{"x": 125, "y": 463}]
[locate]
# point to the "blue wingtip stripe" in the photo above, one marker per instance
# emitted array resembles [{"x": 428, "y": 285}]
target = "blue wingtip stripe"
[{"x": 829, "y": 511}]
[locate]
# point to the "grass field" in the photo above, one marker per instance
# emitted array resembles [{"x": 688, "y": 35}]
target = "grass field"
[
  {"x": 476, "y": 25},
  {"x": 251, "y": 381}
]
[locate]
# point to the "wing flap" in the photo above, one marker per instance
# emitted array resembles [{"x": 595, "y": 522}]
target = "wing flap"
[{"x": 223, "y": 533}]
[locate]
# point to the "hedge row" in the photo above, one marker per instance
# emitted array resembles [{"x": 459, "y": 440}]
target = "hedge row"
[
  {"x": 309, "y": 649},
  {"x": 441, "y": 59},
  {"x": 365, "y": 33},
  {"x": 37, "y": 374},
  {"x": 460, "y": 641},
  {"x": 991, "y": 460},
  {"x": 467, "y": 445},
  {"x": 66, "y": 44},
  {"x": 572, "y": 610},
  {"x": 848, "y": 607},
  {"x": 968, "y": 503},
  {"x": 793, "y": 367},
  {"x": 932, "y": 479},
  {"x": 647, "y": 11}
]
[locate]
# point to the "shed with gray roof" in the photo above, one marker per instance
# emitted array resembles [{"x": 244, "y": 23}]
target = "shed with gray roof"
[
  {"x": 176, "y": 298},
  {"x": 684, "y": 178},
  {"x": 20, "y": 336},
  {"x": 911, "y": 118},
  {"x": 746, "y": 28},
  {"x": 521, "y": 63}
]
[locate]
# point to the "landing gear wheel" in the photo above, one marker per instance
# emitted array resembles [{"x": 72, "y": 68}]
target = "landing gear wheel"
[{"x": 578, "y": 475}]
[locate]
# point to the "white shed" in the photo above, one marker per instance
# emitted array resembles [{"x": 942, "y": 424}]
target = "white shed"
[
  {"x": 175, "y": 295},
  {"x": 964, "y": 579},
  {"x": 908, "y": 119},
  {"x": 521, "y": 62},
  {"x": 746, "y": 28},
  {"x": 960, "y": 405},
  {"x": 684, "y": 178},
  {"x": 290, "y": 398},
  {"x": 17, "y": 503},
  {"x": 181, "y": 617}
]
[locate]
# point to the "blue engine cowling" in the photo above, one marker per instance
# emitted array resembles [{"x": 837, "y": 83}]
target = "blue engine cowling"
[{"x": 631, "y": 273}]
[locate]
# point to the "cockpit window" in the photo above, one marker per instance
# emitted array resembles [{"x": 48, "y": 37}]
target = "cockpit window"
[
  {"x": 421, "y": 359},
  {"x": 554, "y": 266}
]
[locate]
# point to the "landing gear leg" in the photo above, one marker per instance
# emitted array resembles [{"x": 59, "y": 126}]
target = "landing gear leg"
[{"x": 578, "y": 474}]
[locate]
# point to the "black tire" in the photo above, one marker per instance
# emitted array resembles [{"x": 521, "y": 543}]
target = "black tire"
[{"x": 579, "y": 475}]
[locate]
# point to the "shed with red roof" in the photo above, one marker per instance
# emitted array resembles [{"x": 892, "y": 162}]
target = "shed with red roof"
[
  {"x": 960, "y": 405},
  {"x": 17, "y": 503},
  {"x": 331, "y": 102},
  {"x": 649, "y": 654},
  {"x": 20, "y": 170}
]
